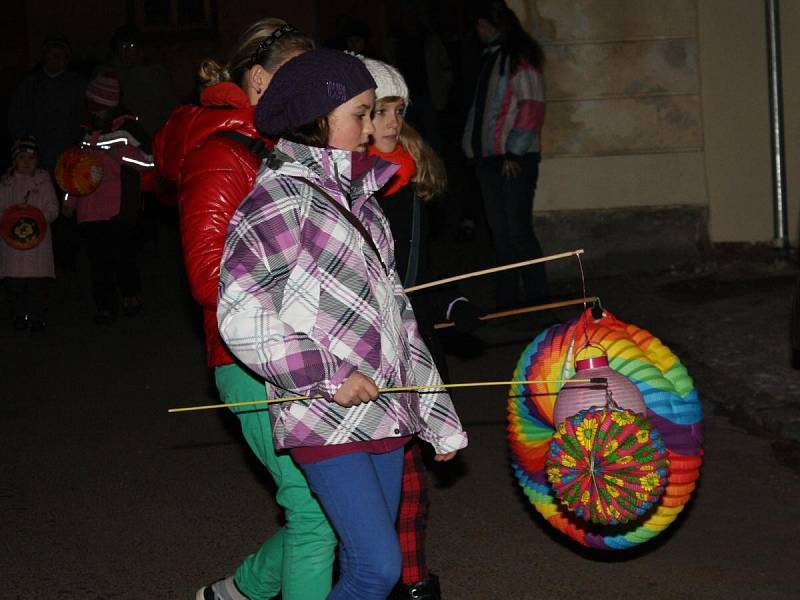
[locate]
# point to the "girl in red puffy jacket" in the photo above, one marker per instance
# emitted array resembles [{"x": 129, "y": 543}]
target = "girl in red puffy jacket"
[{"x": 211, "y": 153}]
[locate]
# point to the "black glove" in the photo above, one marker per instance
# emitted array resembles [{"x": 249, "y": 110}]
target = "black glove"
[{"x": 464, "y": 315}]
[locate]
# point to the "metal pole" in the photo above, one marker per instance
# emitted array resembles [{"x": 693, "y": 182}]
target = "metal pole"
[{"x": 776, "y": 125}]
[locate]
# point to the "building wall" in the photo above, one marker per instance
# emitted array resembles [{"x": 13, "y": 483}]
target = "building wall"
[
  {"x": 624, "y": 120},
  {"x": 664, "y": 102},
  {"x": 737, "y": 122}
]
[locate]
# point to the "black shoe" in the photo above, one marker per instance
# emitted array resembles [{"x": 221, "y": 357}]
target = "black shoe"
[
  {"x": 21, "y": 323},
  {"x": 38, "y": 325},
  {"x": 427, "y": 589}
]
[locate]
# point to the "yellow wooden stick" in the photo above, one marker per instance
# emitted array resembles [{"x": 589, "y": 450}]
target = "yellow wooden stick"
[
  {"x": 517, "y": 265},
  {"x": 524, "y": 310},
  {"x": 411, "y": 388}
]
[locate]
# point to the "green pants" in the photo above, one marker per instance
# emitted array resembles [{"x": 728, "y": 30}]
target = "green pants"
[{"x": 298, "y": 559}]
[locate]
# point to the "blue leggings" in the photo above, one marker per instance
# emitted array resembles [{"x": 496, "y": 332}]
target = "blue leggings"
[{"x": 360, "y": 493}]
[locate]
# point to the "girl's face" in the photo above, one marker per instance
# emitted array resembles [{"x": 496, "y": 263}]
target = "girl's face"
[
  {"x": 350, "y": 125},
  {"x": 388, "y": 121},
  {"x": 26, "y": 163}
]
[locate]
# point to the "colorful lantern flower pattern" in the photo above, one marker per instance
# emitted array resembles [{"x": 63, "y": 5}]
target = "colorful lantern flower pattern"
[
  {"x": 672, "y": 408},
  {"x": 607, "y": 465}
]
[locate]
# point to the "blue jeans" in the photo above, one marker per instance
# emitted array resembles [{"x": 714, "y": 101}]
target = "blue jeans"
[
  {"x": 360, "y": 493},
  {"x": 508, "y": 204}
]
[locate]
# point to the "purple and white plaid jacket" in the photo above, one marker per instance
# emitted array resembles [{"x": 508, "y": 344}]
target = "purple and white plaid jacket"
[{"x": 304, "y": 301}]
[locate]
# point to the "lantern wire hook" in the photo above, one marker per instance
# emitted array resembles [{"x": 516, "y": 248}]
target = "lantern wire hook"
[{"x": 597, "y": 306}]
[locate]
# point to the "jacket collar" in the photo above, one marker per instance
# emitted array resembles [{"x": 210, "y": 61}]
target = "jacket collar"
[
  {"x": 225, "y": 94},
  {"x": 333, "y": 170}
]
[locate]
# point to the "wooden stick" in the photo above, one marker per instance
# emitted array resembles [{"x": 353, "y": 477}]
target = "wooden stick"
[
  {"x": 411, "y": 388},
  {"x": 524, "y": 310},
  {"x": 524, "y": 263}
]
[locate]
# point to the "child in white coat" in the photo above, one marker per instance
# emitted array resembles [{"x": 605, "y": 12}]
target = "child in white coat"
[{"x": 26, "y": 252}]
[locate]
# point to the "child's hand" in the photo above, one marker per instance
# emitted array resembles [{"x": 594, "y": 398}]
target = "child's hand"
[
  {"x": 445, "y": 457},
  {"x": 356, "y": 389}
]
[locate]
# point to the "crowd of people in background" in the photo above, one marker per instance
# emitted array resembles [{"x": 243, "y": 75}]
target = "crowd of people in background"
[
  {"x": 123, "y": 99},
  {"x": 329, "y": 160}
]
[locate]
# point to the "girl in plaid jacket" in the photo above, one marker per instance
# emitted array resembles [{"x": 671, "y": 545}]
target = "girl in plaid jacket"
[{"x": 310, "y": 299}]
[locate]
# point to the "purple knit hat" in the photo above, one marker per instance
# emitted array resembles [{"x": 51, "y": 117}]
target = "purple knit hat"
[{"x": 309, "y": 86}]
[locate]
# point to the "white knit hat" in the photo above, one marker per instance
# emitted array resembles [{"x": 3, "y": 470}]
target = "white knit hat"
[{"x": 390, "y": 81}]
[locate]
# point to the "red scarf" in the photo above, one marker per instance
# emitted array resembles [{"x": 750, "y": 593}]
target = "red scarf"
[{"x": 399, "y": 156}]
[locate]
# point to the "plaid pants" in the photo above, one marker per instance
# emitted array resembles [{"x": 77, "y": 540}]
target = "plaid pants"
[{"x": 412, "y": 517}]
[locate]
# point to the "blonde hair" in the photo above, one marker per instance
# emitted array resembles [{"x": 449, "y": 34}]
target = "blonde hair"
[
  {"x": 430, "y": 178},
  {"x": 249, "y": 52}
]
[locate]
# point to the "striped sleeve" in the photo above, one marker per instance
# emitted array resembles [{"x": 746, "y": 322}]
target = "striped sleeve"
[{"x": 527, "y": 88}]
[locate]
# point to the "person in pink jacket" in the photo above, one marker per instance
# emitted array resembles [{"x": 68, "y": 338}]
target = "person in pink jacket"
[
  {"x": 106, "y": 217},
  {"x": 26, "y": 271}
]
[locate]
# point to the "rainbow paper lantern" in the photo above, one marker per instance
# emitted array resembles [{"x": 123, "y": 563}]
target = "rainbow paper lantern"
[
  {"x": 671, "y": 406},
  {"x": 79, "y": 171}
]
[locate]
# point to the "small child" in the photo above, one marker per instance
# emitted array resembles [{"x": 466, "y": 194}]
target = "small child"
[
  {"x": 27, "y": 272},
  {"x": 107, "y": 216},
  {"x": 310, "y": 299}
]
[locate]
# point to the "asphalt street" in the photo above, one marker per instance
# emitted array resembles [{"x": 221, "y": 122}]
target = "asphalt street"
[{"x": 104, "y": 495}]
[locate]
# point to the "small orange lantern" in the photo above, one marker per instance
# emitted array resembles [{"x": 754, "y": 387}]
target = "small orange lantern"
[
  {"x": 22, "y": 226},
  {"x": 79, "y": 171}
]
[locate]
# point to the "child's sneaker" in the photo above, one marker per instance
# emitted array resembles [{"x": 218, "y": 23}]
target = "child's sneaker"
[{"x": 224, "y": 589}]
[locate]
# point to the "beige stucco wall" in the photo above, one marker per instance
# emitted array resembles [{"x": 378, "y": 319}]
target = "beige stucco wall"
[
  {"x": 736, "y": 113},
  {"x": 659, "y": 102}
]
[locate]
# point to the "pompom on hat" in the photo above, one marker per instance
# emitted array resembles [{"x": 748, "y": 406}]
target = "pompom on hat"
[
  {"x": 390, "y": 82},
  {"x": 309, "y": 86},
  {"x": 27, "y": 144},
  {"x": 103, "y": 92}
]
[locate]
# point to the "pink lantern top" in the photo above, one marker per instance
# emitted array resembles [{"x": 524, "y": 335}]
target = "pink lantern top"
[{"x": 576, "y": 396}]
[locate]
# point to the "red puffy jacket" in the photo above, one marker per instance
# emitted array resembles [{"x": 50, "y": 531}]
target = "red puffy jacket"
[{"x": 213, "y": 174}]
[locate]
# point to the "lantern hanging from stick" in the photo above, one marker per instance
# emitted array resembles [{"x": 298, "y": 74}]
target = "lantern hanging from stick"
[{"x": 672, "y": 409}]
